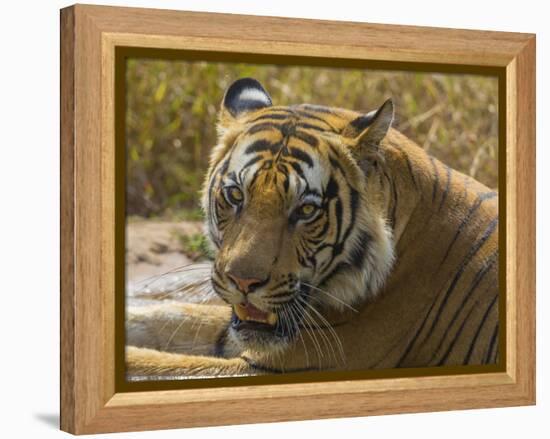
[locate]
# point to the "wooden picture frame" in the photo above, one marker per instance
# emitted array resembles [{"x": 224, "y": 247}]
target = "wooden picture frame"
[{"x": 91, "y": 402}]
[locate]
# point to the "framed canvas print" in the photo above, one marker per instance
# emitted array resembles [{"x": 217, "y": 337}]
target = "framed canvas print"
[{"x": 316, "y": 218}]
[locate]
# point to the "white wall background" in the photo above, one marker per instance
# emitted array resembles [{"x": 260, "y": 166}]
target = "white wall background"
[{"x": 29, "y": 219}]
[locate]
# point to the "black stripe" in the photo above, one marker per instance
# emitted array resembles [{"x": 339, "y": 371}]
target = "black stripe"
[
  {"x": 341, "y": 266},
  {"x": 488, "y": 232},
  {"x": 489, "y": 263},
  {"x": 222, "y": 222},
  {"x": 354, "y": 201},
  {"x": 312, "y": 191},
  {"x": 262, "y": 146},
  {"x": 301, "y": 155},
  {"x": 393, "y": 209},
  {"x": 286, "y": 182},
  {"x": 251, "y": 162},
  {"x": 394, "y": 206},
  {"x": 338, "y": 246},
  {"x": 256, "y": 175},
  {"x": 447, "y": 185},
  {"x": 308, "y": 126},
  {"x": 283, "y": 293},
  {"x": 478, "y": 332},
  {"x": 318, "y": 108},
  {"x": 436, "y": 175},
  {"x": 480, "y": 199},
  {"x": 409, "y": 167},
  {"x": 360, "y": 249},
  {"x": 232, "y": 176},
  {"x": 335, "y": 163},
  {"x": 215, "y": 177},
  {"x": 331, "y": 190},
  {"x": 298, "y": 169},
  {"x": 492, "y": 345},
  {"x": 320, "y": 119},
  {"x": 338, "y": 212},
  {"x": 263, "y": 127},
  {"x": 275, "y": 116},
  {"x": 282, "y": 168},
  {"x": 220, "y": 287},
  {"x": 496, "y": 356},
  {"x": 417, "y": 334},
  {"x": 323, "y": 231},
  {"x": 457, "y": 336},
  {"x": 307, "y": 138},
  {"x": 222, "y": 170},
  {"x": 219, "y": 204}
]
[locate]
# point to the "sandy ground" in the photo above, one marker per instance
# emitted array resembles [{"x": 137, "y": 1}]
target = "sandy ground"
[
  {"x": 154, "y": 273},
  {"x": 152, "y": 247},
  {"x": 154, "y": 261}
]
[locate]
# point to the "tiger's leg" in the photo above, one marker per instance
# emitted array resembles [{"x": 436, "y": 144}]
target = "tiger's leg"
[
  {"x": 142, "y": 362},
  {"x": 189, "y": 339},
  {"x": 193, "y": 329}
]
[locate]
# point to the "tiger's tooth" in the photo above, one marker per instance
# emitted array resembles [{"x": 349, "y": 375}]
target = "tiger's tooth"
[
  {"x": 272, "y": 318},
  {"x": 244, "y": 313},
  {"x": 241, "y": 312}
]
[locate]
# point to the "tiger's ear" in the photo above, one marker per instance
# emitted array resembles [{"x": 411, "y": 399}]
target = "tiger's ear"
[
  {"x": 369, "y": 130},
  {"x": 244, "y": 95}
]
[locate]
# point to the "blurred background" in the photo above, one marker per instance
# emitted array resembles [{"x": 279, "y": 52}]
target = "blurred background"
[{"x": 171, "y": 125}]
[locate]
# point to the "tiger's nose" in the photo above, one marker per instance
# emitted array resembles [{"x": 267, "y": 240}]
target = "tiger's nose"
[{"x": 245, "y": 285}]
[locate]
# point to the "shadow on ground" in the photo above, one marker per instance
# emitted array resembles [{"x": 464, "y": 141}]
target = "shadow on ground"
[{"x": 50, "y": 419}]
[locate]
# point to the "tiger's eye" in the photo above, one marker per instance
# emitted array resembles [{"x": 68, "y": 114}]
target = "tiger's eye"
[
  {"x": 307, "y": 210},
  {"x": 234, "y": 195}
]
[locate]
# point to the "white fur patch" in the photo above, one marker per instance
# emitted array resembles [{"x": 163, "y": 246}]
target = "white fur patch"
[{"x": 252, "y": 94}]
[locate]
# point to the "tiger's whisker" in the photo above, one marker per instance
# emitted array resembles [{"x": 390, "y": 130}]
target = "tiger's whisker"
[
  {"x": 299, "y": 310},
  {"x": 331, "y": 330},
  {"x": 323, "y": 335},
  {"x": 164, "y": 295},
  {"x": 201, "y": 286},
  {"x": 181, "y": 269},
  {"x": 173, "y": 334},
  {"x": 332, "y": 296},
  {"x": 197, "y": 334},
  {"x": 299, "y": 331},
  {"x": 306, "y": 316}
]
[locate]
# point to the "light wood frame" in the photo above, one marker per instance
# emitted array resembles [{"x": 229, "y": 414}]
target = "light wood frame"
[{"x": 89, "y": 36}]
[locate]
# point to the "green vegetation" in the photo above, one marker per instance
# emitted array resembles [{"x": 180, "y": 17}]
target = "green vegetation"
[
  {"x": 195, "y": 246},
  {"x": 172, "y": 109}
]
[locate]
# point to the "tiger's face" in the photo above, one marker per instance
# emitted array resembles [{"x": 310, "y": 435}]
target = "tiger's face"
[{"x": 289, "y": 214}]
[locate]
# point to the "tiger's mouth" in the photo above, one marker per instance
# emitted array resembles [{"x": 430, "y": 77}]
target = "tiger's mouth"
[
  {"x": 250, "y": 314},
  {"x": 264, "y": 330}
]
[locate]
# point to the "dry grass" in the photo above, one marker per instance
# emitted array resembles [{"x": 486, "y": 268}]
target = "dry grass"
[{"x": 172, "y": 108}]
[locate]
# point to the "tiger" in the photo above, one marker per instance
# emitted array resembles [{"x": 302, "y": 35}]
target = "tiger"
[{"x": 339, "y": 244}]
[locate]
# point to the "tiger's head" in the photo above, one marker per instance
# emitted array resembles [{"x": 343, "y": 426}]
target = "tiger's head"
[{"x": 288, "y": 210}]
